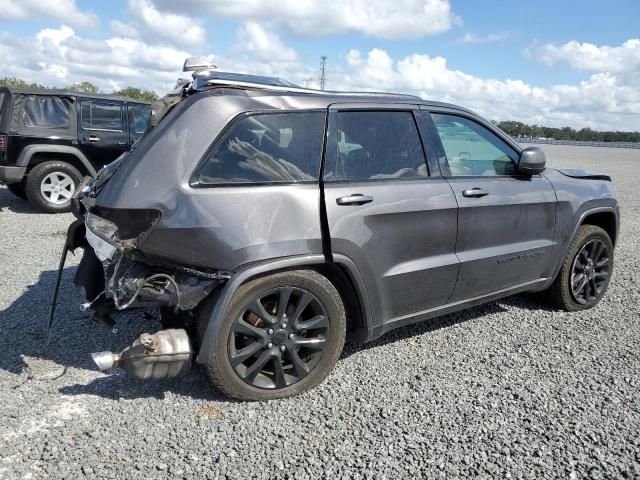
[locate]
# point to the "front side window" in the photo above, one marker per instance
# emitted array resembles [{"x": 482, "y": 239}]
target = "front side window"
[
  {"x": 377, "y": 145},
  {"x": 41, "y": 111},
  {"x": 473, "y": 150},
  {"x": 101, "y": 116},
  {"x": 266, "y": 148}
]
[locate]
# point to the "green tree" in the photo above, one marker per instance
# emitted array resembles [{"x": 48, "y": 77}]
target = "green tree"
[
  {"x": 84, "y": 87},
  {"x": 18, "y": 83},
  {"x": 137, "y": 93}
]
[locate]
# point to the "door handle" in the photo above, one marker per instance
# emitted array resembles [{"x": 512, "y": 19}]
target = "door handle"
[
  {"x": 475, "y": 192},
  {"x": 122, "y": 143},
  {"x": 354, "y": 199},
  {"x": 93, "y": 138}
]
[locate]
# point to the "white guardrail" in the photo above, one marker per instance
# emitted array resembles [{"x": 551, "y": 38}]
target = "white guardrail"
[{"x": 578, "y": 143}]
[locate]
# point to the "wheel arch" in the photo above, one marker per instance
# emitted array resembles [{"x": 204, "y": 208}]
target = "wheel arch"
[
  {"x": 605, "y": 219},
  {"x": 33, "y": 155},
  {"x": 340, "y": 274}
]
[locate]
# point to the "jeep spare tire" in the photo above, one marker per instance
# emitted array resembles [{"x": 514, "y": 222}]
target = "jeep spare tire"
[{"x": 51, "y": 185}]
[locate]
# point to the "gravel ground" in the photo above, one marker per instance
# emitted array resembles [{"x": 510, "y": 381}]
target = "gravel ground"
[{"x": 509, "y": 389}]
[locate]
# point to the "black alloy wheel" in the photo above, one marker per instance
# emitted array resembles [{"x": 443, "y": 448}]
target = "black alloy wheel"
[
  {"x": 590, "y": 272},
  {"x": 279, "y": 338}
]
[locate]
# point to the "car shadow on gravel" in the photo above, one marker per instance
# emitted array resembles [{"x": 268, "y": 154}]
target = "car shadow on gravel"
[
  {"x": 526, "y": 301},
  {"x": 8, "y": 201},
  {"x": 26, "y": 354},
  {"x": 74, "y": 337}
]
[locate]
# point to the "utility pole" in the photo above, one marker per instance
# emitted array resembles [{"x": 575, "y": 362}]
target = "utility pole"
[{"x": 323, "y": 73}]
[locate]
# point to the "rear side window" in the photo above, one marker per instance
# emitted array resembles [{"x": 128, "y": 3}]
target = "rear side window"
[
  {"x": 46, "y": 112},
  {"x": 138, "y": 119},
  {"x": 1, "y": 102},
  {"x": 377, "y": 145},
  {"x": 266, "y": 148},
  {"x": 101, "y": 116}
]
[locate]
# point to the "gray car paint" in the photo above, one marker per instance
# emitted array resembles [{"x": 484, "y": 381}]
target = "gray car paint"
[{"x": 411, "y": 253}]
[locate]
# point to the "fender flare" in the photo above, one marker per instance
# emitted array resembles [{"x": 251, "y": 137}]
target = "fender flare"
[
  {"x": 206, "y": 352},
  {"x": 610, "y": 209},
  {"x": 29, "y": 151}
]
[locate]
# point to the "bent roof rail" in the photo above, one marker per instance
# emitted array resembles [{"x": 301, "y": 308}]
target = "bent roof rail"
[{"x": 277, "y": 88}]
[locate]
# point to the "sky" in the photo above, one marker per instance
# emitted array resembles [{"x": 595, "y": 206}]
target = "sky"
[{"x": 554, "y": 63}]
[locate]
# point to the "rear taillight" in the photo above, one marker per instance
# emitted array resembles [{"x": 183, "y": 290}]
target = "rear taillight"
[{"x": 3, "y": 143}]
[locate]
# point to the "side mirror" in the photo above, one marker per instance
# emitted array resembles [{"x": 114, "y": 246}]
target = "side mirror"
[{"x": 532, "y": 161}]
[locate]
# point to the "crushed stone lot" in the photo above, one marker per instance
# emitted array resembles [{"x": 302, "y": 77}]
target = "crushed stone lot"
[{"x": 511, "y": 389}]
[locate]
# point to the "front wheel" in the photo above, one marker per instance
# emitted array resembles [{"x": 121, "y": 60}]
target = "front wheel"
[
  {"x": 51, "y": 185},
  {"x": 281, "y": 336},
  {"x": 586, "y": 270}
]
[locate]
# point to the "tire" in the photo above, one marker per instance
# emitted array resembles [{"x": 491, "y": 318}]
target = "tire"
[
  {"x": 48, "y": 187},
  {"x": 561, "y": 293},
  {"x": 279, "y": 347},
  {"x": 18, "y": 190}
]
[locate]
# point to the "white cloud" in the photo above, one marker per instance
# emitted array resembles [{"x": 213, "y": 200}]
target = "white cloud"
[
  {"x": 59, "y": 56},
  {"x": 256, "y": 42},
  {"x": 59, "y": 10},
  {"x": 379, "y": 18},
  {"x": 152, "y": 24},
  {"x": 590, "y": 57},
  {"x": 603, "y": 101},
  {"x": 472, "y": 38}
]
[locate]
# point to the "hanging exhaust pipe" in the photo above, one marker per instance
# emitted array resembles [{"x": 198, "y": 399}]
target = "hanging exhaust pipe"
[{"x": 165, "y": 354}]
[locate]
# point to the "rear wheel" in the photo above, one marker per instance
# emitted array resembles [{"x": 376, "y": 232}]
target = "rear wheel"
[
  {"x": 586, "y": 271},
  {"x": 51, "y": 185},
  {"x": 18, "y": 190},
  {"x": 281, "y": 336}
]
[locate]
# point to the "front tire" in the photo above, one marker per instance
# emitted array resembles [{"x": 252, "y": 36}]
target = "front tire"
[
  {"x": 51, "y": 185},
  {"x": 281, "y": 336},
  {"x": 586, "y": 270}
]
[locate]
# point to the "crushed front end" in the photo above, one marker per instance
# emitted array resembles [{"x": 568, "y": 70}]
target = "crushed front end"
[{"x": 115, "y": 274}]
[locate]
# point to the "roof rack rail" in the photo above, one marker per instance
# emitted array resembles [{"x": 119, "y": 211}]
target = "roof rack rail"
[{"x": 277, "y": 88}]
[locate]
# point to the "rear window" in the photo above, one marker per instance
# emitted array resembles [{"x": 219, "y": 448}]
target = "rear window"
[
  {"x": 101, "y": 116},
  {"x": 46, "y": 112},
  {"x": 266, "y": 148},
  {"x": 139, "y": 119},
  {"x": 377, "y": 145}
]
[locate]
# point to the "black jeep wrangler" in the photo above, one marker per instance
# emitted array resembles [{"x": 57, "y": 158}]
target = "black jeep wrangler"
[{"x": 51, "y": 139}]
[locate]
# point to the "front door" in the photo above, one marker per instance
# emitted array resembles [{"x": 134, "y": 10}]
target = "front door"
[
  {"x": 387, "y": 212},
  {"x": 506, "y": 221},
  {"x": 101, "y": 131}
]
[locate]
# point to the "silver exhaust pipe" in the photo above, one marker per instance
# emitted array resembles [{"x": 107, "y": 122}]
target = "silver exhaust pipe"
[{"x": 165, "y": 354}]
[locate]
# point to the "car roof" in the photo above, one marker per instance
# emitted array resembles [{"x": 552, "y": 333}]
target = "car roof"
[
  {"x": 309, "y": 98},
  {"x": 69, "y": 93}
]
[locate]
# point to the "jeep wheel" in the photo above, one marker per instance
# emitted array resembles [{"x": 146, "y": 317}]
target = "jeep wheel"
[
  {"x": 18, "y": 190},
  {"x": 50, "y": 186},
  {"x": 586, "y": 271},
  {"x": 281, "y": 336}
]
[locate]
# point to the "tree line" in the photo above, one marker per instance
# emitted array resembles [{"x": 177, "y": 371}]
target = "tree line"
[
  {"x": 522, "y": 130},
  {"x": 83, "y": 87}
]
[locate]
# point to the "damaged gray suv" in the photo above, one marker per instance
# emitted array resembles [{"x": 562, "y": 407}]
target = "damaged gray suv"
[{"x": 269, "y": 223}]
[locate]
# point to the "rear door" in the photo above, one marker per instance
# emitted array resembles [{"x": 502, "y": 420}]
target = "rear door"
[
  {"x": 101, "y": 130},
  {"x": 506, "y": 220},
  {"x": 387, "y": 210}
]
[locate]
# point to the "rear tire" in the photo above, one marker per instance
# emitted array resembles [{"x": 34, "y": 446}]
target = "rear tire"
[
  {"x": 51, "y": 185},
  {"x": 590, "y": 241},
  {"x": 294, "y": 347},
  {"x": 18, "y": 190}
]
